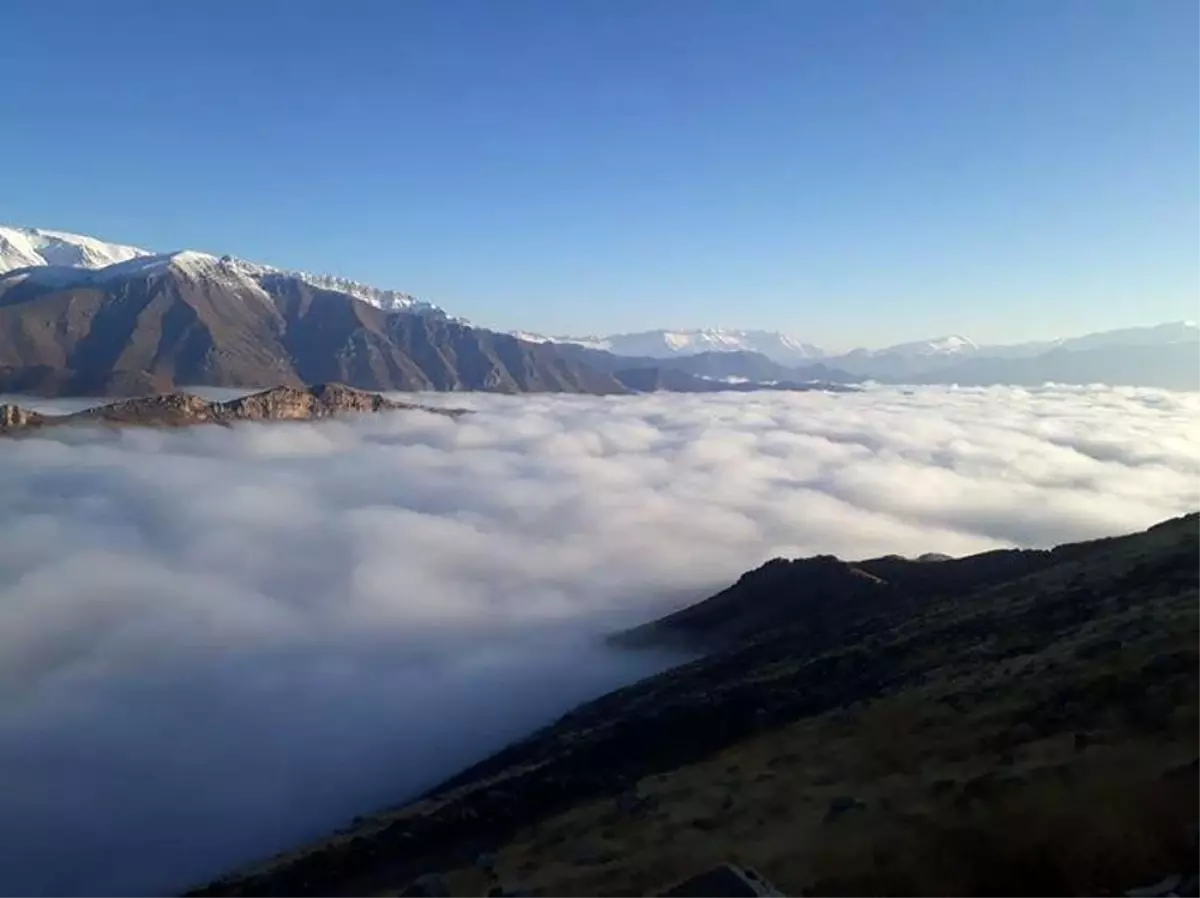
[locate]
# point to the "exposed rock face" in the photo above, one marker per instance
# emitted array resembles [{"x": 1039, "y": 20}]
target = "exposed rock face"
[
  {"x": 320, "y": 401},
  {"x": 13, "y": 416},
  {"x": 184, "y": 409}
]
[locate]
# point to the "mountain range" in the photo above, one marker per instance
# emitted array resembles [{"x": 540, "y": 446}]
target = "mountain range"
[
  {"x": 79, "y": 315},
  {"x": 1166, "y": 355}
]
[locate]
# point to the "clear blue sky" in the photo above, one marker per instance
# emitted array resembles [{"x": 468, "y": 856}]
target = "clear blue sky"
[{"x": 853, "y": 172}]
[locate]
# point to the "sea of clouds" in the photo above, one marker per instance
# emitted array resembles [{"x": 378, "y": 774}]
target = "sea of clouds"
[{"x": 217, "y": 642}]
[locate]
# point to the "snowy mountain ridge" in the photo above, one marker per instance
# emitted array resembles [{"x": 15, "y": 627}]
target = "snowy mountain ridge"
[
  {"x": 29, "y": 247},
  {"x": 666, "y": 343},
  {"x": 62, "y": 258},
  {"x": 949, "y": 345}
]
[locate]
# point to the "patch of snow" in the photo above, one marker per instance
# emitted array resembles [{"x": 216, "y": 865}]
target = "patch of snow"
[
  {"x": 387, "y": 300},
  {"x": 950, "y": 345},
  {"x": 199, "y": 267},
  {"x": 29, "y": 247},
  {"x": 47, "y": 276},
  {"x": 63, "y": 259},
  {"x": 530, "y": 338}
]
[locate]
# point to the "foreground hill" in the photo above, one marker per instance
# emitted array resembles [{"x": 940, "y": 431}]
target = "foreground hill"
[
  {"x": 184, "y": 409},
  {"x": 1016, "y": 722}
]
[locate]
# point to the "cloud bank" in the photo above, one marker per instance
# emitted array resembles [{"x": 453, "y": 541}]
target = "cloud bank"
[{"x": 216, "y": 643}]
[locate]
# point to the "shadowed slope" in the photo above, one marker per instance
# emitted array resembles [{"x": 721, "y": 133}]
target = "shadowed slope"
[{"x": 880, "y": 697}]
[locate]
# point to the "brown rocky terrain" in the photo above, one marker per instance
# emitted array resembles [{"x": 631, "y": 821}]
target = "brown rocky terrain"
[
  {"x": 160, "y": 329},
  {"x": 184, "y": 409},
  {"x": 1011, "y": 723}
]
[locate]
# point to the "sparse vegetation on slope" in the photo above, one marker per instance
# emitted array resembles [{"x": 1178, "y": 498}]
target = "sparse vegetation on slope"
[{"x": 884, "y": 727}]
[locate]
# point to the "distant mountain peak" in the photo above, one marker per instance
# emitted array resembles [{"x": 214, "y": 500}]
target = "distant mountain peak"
[
  {"x": 672, "y": 343},
  {"x": 946, "y": 345},
  {"x": 29, "y": 247}
]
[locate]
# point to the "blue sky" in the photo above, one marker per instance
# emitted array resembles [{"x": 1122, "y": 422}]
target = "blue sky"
[{"x": 852, "y": 172}]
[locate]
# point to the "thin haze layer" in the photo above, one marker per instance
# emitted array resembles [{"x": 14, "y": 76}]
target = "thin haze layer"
[{"x": 214, "y": 643}]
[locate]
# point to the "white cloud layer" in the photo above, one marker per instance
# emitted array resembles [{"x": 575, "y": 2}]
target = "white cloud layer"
[{"x": 215, "y": 643}]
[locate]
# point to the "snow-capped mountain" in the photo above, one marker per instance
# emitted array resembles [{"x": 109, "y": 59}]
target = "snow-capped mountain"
[
  {"x": 27, "y": 247},
  {"x": 952, "y": 345},
  {"x": 665, "y": 344},
  {"x": 198, "y": 268},
  {"x": 388, "y": 300},
  {"x": 61, "y": 258}
]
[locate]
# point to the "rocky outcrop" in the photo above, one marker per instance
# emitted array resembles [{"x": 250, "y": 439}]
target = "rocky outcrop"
[
  {"x": 184, "y": 409},
  {"x": 13, "y": 417},
  {"x": 320, "y": 401}
]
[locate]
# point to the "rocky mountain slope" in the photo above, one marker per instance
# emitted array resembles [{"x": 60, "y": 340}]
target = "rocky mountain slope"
[
  {"x": 1016, "y": 722},
  {"x": 184, "y": 409},
  {"x": 154, "y": 323}
]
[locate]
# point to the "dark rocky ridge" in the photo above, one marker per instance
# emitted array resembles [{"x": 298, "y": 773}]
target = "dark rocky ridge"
[
  {"x": 184, "y": 409},
  {"x": 992, "y": 653}
]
